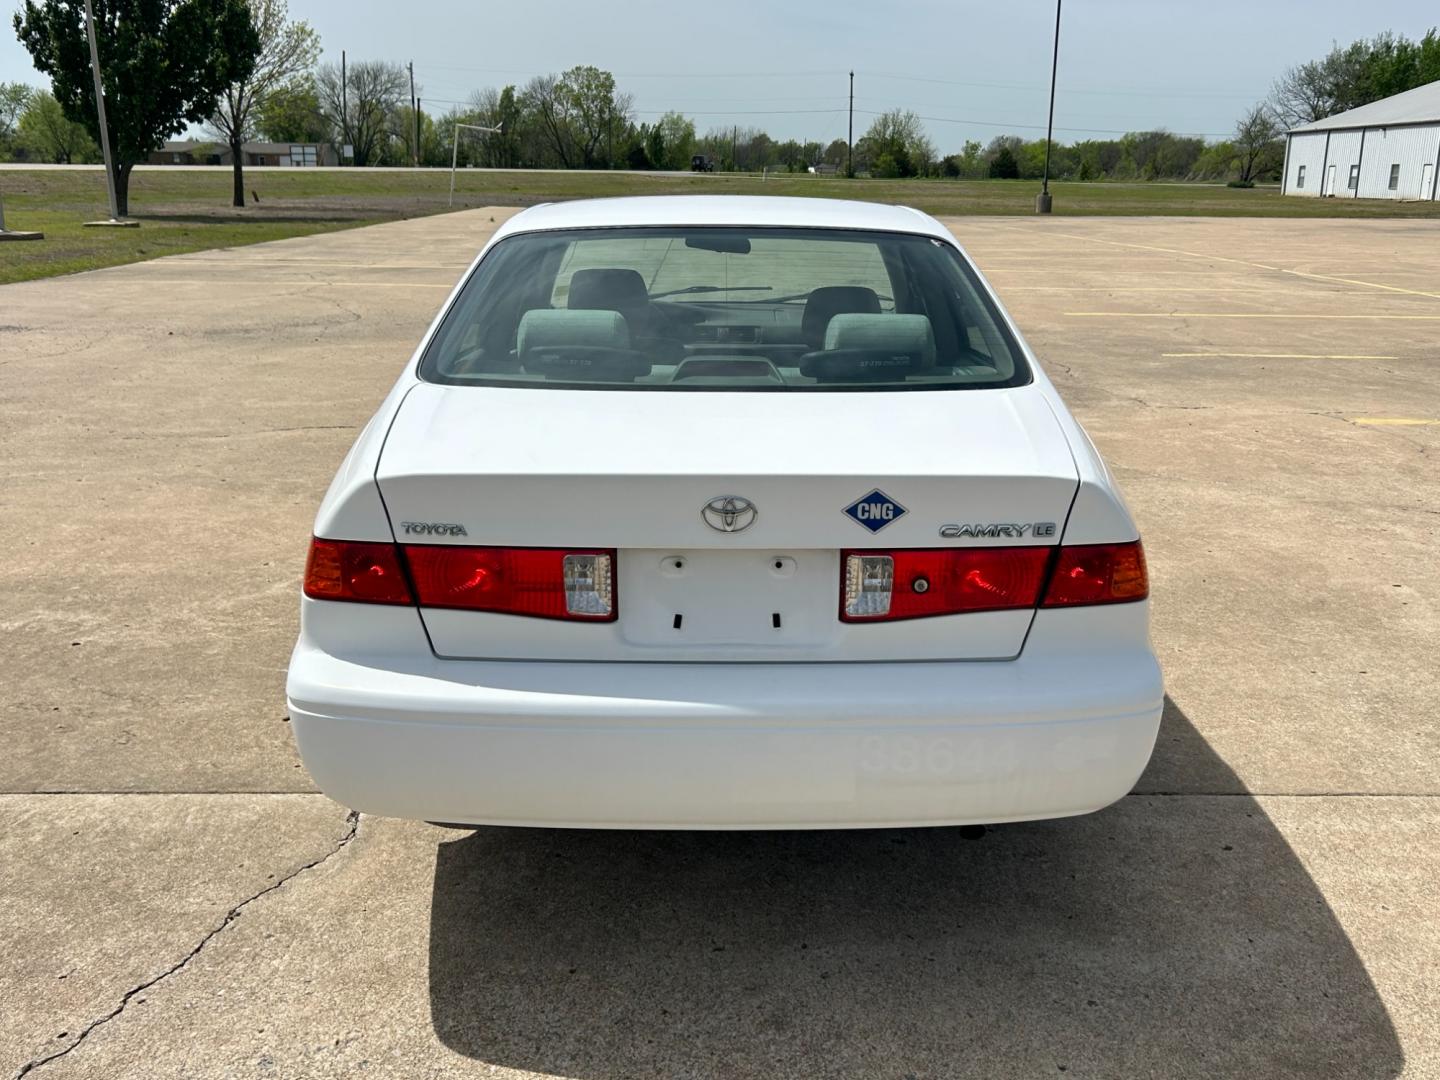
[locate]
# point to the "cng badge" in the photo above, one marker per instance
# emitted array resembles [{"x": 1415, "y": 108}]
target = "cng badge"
[{"x": 875, "y": 510}]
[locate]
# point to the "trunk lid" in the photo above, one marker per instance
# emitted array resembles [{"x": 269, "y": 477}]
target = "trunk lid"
[{"x": 635, "y": 470}]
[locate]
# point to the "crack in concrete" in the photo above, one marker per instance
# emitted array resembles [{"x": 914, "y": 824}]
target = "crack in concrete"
[{"x": 352, "y": 827}]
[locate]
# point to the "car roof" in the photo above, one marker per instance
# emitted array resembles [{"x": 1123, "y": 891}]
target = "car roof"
[{"x": 733, "y": 210}]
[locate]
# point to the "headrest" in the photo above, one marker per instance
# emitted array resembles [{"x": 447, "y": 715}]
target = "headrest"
[
  {"x": 547, "y": 328},
  {"x": 826, "y": 302},
  {"x": 900, "y": 335},
  {"x": 608, "y": 289}
]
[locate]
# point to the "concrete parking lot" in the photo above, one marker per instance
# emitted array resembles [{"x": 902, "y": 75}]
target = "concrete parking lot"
[{"x": 178, "y": 901}]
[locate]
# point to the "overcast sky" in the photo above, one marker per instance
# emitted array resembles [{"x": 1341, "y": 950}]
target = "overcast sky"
[{"x": 972, "y": 69}]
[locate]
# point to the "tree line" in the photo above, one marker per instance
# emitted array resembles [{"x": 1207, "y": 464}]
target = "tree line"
[{"x": 244, "y": 70}]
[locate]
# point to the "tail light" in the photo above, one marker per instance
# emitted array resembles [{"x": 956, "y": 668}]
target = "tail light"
[
  {"x": 913, "y": 584},
  {"x": 1098, "y": 574},
  {"x": 549, "y": 583},
  {"x": 351, "y": 570}
]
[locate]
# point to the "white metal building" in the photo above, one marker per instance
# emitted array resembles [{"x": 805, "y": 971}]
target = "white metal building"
[{"x": 1389, "y": 149}]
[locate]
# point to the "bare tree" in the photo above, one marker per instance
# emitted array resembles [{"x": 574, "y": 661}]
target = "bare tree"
[
  {"x": 1320, "y": 88},
  {"x": 1255, "y": 135},
  {"x": 545, "y": 98},
  {"x": 359, "y": 106},
  {"x": 287, "y": 51}
]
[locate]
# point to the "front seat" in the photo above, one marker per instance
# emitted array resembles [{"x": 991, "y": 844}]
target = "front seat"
[
  {"x": 824, "y": 303},
  {"x": 614, "y": 289}
]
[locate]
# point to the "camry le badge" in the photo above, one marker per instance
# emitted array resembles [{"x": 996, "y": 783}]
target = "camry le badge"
[{"x": 729, "y": 514}]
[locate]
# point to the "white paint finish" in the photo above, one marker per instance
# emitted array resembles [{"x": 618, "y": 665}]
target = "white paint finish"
[
  {"x": 632, "y": 471},
  {"x": 1344, "y": 152},
  {"x": 1066, "y": 729},
  {"x": 1306, "y": 152},
  {"x": 720, "y": 210},
  {"x": 387, "y": 725},
  {"x": 1412, "y": 148}
]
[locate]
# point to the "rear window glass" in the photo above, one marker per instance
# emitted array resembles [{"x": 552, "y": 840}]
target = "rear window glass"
[{"x": 724, "y": 309}]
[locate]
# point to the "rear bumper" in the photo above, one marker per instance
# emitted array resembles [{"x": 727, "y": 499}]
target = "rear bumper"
[{"x": 745, "y": 746}]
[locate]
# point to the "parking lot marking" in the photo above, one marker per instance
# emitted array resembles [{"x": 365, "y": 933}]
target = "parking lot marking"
[
  {"x": 1260, "y": 266},
  {"x": 1281, "y": 355},
  {"x": 1239, "y": 315},
  {"x": 1393, "y": 421},
  {"x": 303, "y": 282}
]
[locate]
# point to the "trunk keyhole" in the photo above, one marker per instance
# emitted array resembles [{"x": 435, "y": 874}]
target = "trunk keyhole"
[
  {"x": 678, "y": 619},
  {"x": 775, "y": 619}
]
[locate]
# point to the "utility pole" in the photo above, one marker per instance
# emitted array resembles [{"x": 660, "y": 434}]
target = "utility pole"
[
  {"x": 100, "y": 108},
  {"x": 415, "y": 113},
  {"x": 734, "y": 140},
  {"x": 850, "y": 138},
  {"x": 1043, "y": 201},
  {"x": 344, "y": 109}
]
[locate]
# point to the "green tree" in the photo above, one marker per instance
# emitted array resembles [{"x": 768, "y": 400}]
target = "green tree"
[
  {"x": 46, "y": 133},
  {"x": 1353, "y": 75},
  {"x": 678, "y": 133},
  {"x": 593, "y": 111},
  {"x": 288, "y": 50},
  {"x": 165, "y": 63},
  {"x": 15, "y": 98},
  {"x": 1003, "y": 165},
  {"x": 896, "y": 145},
  {"x": 291, "y": 113}
]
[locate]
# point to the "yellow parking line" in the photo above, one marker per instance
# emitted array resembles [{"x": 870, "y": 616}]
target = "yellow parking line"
[
  {"x": 1281, "y": 355},
  {"x": 1237, "y": 315},
  {"x": 211, "y": 282},
  {"x": 1389, "y": 421}
]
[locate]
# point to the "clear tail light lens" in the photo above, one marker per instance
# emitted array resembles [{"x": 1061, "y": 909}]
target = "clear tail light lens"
[
  {"x": 589, "y": 585},
  {"x": 915, "y": 584},
  {"x": 356, "y": 571},
  {"x": 1098, "y": 574},
  {"x": 869, "y": 585},
  {"x": 547, "y": 583}
]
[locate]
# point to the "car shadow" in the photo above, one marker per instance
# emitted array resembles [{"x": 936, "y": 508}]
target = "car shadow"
[{"x": 1163, "y": 936}]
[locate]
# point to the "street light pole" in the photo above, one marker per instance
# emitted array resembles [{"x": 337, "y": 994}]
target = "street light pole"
[
  {"x": 1043, "y": 201},
  {"x": 100, "y": 108}
]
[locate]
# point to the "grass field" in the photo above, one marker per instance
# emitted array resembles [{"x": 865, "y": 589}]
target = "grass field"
[{"x": 188, "y": 210}]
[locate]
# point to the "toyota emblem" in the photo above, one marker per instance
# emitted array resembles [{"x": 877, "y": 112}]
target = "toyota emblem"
[{"x": 729, "y": 514}]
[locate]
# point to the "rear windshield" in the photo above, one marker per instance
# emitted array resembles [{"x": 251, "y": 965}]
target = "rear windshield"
[{"x": 724, "y": 309}]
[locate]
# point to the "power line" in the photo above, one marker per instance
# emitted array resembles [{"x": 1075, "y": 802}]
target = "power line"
[
  {"x": 1041, "y": 127},
  {"x": 1110, "y": 92}
]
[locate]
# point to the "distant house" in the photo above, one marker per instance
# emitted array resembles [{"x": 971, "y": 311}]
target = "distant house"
[
  {"x": 824, "y": 168},
  {"x": 195, "y": 152}
]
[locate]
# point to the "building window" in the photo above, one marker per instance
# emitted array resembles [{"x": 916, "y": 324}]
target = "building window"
[
  {"x": 1354, "y": 177},
  {"x": 1394, "y": 177},
  {"x": 1300, "y": 177}
]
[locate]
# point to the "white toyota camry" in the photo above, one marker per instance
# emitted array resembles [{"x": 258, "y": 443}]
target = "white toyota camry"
[{"x": 714, "y": 512}]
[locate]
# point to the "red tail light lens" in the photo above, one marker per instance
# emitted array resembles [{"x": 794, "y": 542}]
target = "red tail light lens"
[
  {"x": 548, "y": 583},
  {"x": 352, "y": 570},
  {"x": 909, "y": 584},
  {"x": 1098, "y": 574}
]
